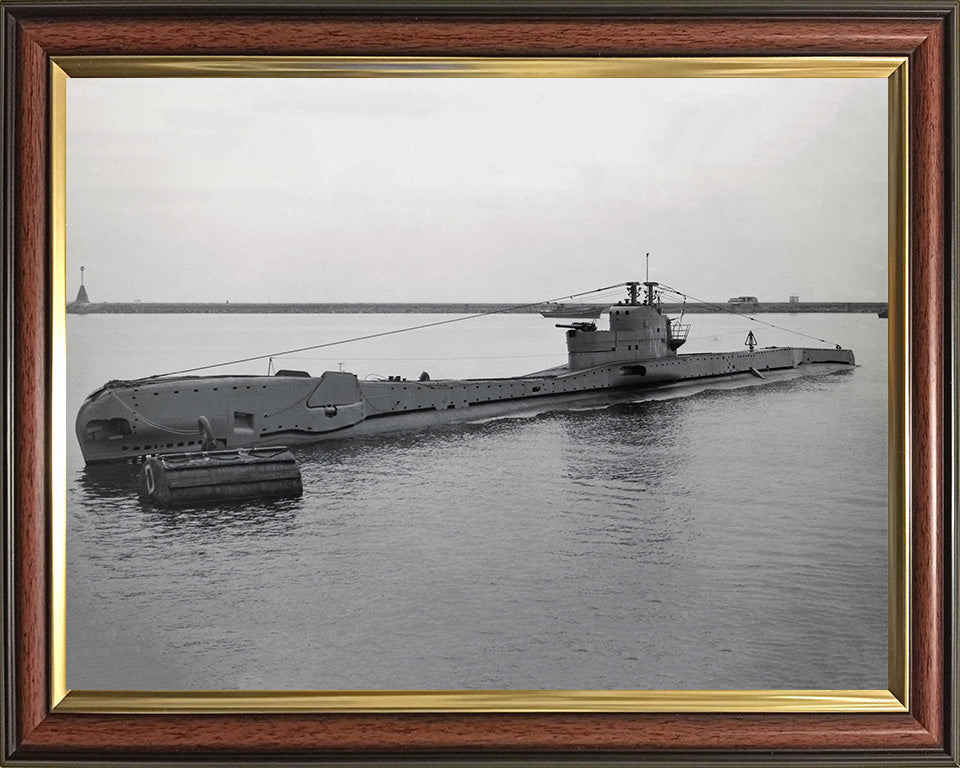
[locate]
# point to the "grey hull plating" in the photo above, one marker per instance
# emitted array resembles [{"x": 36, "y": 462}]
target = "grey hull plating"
[{"x": 147, "y": 417}]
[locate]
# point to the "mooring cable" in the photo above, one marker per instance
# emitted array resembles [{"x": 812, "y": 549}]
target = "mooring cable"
[
  {"x": 721, "y": 308},
  {"x": 253, "y": 358}
]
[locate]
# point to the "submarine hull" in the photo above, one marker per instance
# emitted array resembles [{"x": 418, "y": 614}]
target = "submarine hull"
[{"x": 132, "y": 419}]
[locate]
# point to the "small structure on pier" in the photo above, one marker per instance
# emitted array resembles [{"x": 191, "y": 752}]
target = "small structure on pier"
[{"x": 82, "y": 293}]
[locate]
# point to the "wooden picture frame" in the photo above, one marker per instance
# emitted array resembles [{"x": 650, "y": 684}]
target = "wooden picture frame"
[{"x": 35, "y": 34}]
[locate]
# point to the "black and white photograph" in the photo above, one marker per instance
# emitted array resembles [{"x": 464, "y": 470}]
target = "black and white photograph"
[{"x": 469, "y": 383}]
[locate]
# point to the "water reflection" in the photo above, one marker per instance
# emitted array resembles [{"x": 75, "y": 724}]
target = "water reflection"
[
  {"x": 610, "y": 442},
  {"x": 258, "y": 518},
  {"x": 105, "y": 482}
]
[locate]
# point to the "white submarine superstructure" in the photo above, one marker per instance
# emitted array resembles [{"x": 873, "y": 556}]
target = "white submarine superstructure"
[{"x": 156, "y": 416}]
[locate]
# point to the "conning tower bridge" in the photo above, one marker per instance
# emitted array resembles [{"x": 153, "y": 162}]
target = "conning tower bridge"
[{"x": 638, "y": 331}]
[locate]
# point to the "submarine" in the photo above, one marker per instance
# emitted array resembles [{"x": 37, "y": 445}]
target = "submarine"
[{"x": 155, "y": 416}]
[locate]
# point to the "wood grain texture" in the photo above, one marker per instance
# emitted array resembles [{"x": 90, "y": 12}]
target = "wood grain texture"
[
  {"x": 927, "y": 160},
  {"x": 29, "y": 357},
  {"x": 41, "y": 735},
  {"x": 425, "y": 37},
  {"x": 299, "y": 734}
]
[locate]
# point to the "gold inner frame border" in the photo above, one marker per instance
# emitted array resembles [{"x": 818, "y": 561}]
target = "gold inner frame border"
[{"x": 894, "y": 699}]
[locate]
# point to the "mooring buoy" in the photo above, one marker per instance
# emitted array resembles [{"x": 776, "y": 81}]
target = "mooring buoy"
[{"x": 225, "y": 475}]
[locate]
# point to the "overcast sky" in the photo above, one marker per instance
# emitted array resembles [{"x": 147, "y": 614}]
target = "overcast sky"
[{"x": 464, "y": 189}]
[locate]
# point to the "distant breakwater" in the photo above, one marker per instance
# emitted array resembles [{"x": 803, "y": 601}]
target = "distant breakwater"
[{"x": 358, "y": 308}]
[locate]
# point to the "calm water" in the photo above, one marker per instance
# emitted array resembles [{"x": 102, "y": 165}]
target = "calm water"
[{"x": 725, "y": 539}]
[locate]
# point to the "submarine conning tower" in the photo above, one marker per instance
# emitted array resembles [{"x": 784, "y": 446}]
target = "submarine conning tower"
[{"x": 638, "y": 331}]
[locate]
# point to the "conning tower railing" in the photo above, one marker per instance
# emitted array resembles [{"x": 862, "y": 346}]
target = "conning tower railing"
[{"x": 677, "y": 333}]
